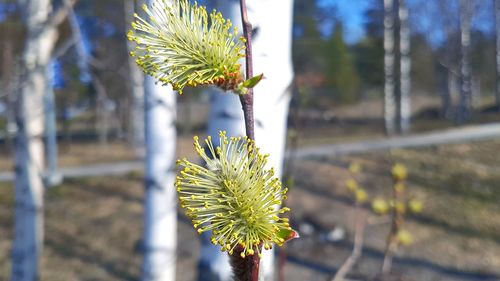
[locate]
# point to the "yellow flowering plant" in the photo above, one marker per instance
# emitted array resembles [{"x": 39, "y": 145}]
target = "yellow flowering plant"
[
  {"x": 234, "y": 196},
  {"x": 181, "y": 44},
  {"x": 400, "y": 207}
]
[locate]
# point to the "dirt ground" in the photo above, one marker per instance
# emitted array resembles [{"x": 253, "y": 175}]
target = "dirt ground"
[{"x": 93, "y": 225}]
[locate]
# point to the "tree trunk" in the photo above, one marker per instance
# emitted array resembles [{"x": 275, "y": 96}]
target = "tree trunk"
[
  {"x": 10, "y": 84},
  {"x": 52, "y": 177},
  {"x": 28, "y": 218},
  {"x": 405, "y": 67},
  {"x": 272, "y": 56},
  {"x": 160, "y": 213},
  {"x": 389, "y": 88},
  {"x": 475, "y": 92},
  {"x": 452, "y": 94},
  {"x": 497, "y": 32},
  {"x": 102, "y": 112},
  {"x": 464, "y": 105},
  {"x": 136, "y": 121}
]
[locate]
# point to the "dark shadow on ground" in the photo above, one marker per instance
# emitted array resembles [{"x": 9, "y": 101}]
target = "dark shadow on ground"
[{"x": 71, "y": 247}]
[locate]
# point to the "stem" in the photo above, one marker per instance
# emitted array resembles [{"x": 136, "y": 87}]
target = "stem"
[
  {"x": 247, "y": 99},
  {"x": 245, "y": 269},
  {"x": 392, "y": 243},
  {"x": 359, "y": 233}
]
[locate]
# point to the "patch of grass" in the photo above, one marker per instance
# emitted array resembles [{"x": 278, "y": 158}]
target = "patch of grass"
[{"x": 6, "y": 195}]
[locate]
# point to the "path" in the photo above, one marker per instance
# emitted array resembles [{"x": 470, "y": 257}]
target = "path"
[
  {"x": 94, "y": 170},
  {"x": 449, "y": 136}
]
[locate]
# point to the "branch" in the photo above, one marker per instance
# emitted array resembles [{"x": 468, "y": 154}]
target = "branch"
[
  {"x": 63, "y": 48},
  {"x": 57, "y": 17},
  {"x": 357, "y": 248},
  {"x": 245, "y": 269},
  {"x": 247, "y": 99}
]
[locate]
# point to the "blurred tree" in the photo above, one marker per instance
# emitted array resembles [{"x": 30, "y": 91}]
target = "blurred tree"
[
  {"x": 483, "y": 48},
  {"x": 52, "y": 177},
  {"x": 102, "y": 25},
  {"x": 368, "y": 56},
  {"x": 464, "y": 106},
  {"x": 423, "y": 65},
  {"x": 369, "y": 52},
  {"x": 41, "y": 22},
  {"x": 497, "y": 57},
  {"x": 389, "y": 59},
  {"x": 12, "y": 34},
  {"x": 449, "y": 53},
  {"x": 159, "y": 242},
  {"x": 271, "y": 56},
  {"x": 405, "y": 68},
  {"x": 340, "y": 71},
  {"x": 307, "y": 38},
  {"x": 136, "y": 122}
]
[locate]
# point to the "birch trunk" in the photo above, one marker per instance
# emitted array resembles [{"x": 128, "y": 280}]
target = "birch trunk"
[
  {"x": 453, "y": 89},
  {"x": 405, "y": 67},
  {"x": 29, "y": 160},
  {"x": 272, "y": 56},
  {"x": 389, "y": 58},
  {"x": 464, "y": 105},
  {"x": 136, "y": 121},
  {"x": 475, "y": 92},
  {"x": 160, "y": 212},
  {"x": 52, "y": 177},
  {"x": 10, "y": 84},
  {"x": 84, "y": 64},
  {"x": 497, "y": 33}
]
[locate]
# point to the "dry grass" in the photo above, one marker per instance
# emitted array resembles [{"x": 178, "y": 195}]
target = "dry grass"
[{"x": 93, "y": 225}]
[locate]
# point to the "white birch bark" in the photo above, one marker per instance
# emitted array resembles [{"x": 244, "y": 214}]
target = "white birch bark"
[
  {"x": 453, "y": 93},
  {"x": 28, "y": 218},
  {"x": 497, "y": 34},
  {"x": 272, "y": 23},
  {"x": 10, "y": 84},
  {"x": 160, "y": 213},
  {"x": 465, "y": 68},
  {"x": 52, "y": 177},
  {"x": 475, "y": 92},
  {"x": 405, "y": 67},
  {"x": 450, "y": 95},
  {"x": 159, "y": 241},
  {"x": 389, "y": 88},
  {"x": 136, "y": 121}
]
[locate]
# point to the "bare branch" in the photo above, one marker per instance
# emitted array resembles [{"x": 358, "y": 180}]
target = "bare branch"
[
  {"x": 247, "y": 99},
  {"x": 357, "y": 248},
  {"x": 58, "y": 16},
  {"x": 63, "y": 48}
]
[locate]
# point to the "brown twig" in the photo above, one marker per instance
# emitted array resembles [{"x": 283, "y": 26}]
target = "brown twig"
[
  {"x": 247, "y": 99},
  {"x": 396, "y": 221},
  {"x": 357, "y": 248},
  {"x": 58, "y": 16},
  {"x": 247, "y": 268}
]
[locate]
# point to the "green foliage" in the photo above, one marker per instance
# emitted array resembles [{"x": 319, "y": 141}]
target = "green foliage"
[
  {"x": 423, "y": 67},
  {"x": 341, "y": 75},
  {"x": 369, "y": 60},
  {"x": 307, "y": 39}
]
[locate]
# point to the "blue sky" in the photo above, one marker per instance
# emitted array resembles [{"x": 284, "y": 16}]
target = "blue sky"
[{"x": 351, "y": 13}]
